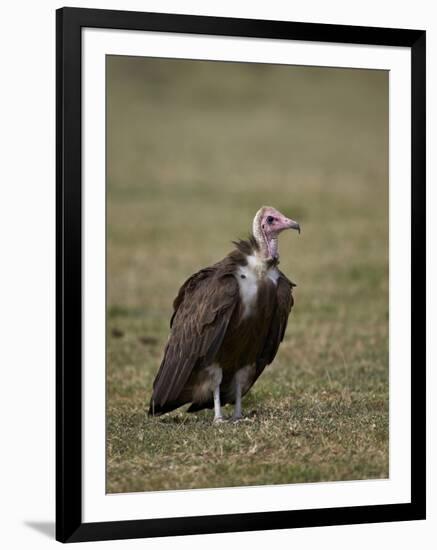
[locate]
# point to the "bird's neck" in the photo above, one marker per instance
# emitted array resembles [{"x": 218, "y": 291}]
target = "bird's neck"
[{"x": 268, "y": 247}]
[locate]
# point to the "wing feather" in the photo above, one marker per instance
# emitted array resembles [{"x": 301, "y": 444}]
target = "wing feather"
[
  {"x": 284, "y": 303},
  {"x": 202, "y": 311}
]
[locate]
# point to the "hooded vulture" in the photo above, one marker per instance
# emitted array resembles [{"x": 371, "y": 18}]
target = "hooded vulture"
[{"x": 227, "y": 324}]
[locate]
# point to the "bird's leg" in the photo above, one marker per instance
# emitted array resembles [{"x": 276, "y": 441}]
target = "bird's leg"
[
  {"x": 217, "y": 408},
  {"x": 237, "y": 410}
]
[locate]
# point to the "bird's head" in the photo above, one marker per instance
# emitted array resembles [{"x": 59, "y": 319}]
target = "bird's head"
[{"x": 267, "y": 225}]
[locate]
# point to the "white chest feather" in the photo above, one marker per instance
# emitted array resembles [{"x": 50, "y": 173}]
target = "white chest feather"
[
  {"x": 249, "y": 278},
  {"x": 248, "y": 284}
]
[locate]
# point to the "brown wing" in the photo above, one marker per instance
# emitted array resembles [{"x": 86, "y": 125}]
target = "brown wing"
[
  {"x": 202, "y": 310},
  {"x": 284, "y": 303}
]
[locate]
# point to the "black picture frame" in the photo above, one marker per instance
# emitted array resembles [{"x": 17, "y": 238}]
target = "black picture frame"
[{"x": 69, "y": 24}]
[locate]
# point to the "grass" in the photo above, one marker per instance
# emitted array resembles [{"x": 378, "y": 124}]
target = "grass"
[{"x": 194, "y": 149}]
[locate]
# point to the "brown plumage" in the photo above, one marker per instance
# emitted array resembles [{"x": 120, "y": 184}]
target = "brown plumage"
[{"x": 228, "y": 322}]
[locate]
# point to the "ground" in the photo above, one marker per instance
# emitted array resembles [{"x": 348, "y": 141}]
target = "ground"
[{"x": 194, "y": 149}]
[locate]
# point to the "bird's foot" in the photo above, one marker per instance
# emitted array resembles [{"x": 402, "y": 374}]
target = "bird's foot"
[{"x": 218, "y": 420}]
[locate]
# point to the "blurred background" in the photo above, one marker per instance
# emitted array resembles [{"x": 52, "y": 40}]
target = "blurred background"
[{"x": 194, "y": 149}]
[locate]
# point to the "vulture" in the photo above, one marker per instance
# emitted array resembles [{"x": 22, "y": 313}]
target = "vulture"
[{"x": 227, "y": 324}]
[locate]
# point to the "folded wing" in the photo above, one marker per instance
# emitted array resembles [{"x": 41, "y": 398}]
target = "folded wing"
[
  {"x": 202, "y": 311},
  {"x": 284, "y": 303}
]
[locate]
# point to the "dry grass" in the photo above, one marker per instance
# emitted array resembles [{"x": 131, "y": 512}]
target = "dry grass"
[{"x": 193, "y": 150}]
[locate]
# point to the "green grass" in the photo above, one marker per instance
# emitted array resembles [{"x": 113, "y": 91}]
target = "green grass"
[{"x": 194, "y": 149}]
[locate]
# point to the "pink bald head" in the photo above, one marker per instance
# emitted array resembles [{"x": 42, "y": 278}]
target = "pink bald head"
[{"x": 267, "y": 225}]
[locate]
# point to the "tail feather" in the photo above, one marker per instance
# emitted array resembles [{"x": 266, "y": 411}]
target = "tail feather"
[
  {"x": 157, "y": 410},
  {"x": 194, "y": 407}
]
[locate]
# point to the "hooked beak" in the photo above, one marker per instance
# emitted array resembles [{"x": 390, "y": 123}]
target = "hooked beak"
[{"x": 291, "y": 224}]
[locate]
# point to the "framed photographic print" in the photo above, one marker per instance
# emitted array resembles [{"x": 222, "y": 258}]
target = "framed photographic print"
[{"x": 240, "y": 274}]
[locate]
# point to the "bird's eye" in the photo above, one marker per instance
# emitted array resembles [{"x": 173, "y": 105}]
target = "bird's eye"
[{"x": 270, "y": 219}]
